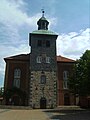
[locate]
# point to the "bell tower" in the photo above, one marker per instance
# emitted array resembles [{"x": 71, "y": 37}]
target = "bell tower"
[{"x": 43, "y": 66}]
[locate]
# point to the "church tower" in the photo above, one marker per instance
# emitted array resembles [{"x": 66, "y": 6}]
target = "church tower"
[{"x": 43, "y": 66}]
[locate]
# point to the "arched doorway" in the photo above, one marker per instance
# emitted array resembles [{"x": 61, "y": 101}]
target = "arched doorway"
[
  {"x": 66, "y": 99},
  {"x": 43, "y": 102}
]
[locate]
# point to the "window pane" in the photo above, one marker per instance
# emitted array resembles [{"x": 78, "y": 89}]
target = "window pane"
[
  {"x": 47, "y": 59},
  {"x": 47, "y": 43},
  {"x": 17, "y": 75},
  {"x": 17, "y": 83},
  {"x": 43, "y": 79},
  {"x": 39, "y": 59},
  {"x": 39, "y": 43},
  {"x": 65, "y": 85},
  {"x": 65, "y": 75}
]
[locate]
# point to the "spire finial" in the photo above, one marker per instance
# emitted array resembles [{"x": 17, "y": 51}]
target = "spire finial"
[
  {"x": 43, "y": 12},
  {"x": 42, "y": 22}
]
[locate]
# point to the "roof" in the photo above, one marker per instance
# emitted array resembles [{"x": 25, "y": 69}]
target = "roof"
[
  {"x": 21, "y": 57},
  {"x": 64, "y": 59},
  {"x": 26, "y": 57},
  {"x": 46, "y": 32},
  {"x": 42, "y": 19}
]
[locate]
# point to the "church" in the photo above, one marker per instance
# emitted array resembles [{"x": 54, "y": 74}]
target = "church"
[{"x": 39, "y": 79}]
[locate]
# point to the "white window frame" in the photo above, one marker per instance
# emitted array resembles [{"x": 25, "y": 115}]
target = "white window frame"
[
  {"x": 47, "y": 59},
  {"x": 43, "y": 79},
  {"x": 17, "y": 76},
  {"x": 65, "y": 75},
  {"x": 65, "y": 84},
  {"x": 39, "y": 59},
  {"x": 65, "y": 79}
]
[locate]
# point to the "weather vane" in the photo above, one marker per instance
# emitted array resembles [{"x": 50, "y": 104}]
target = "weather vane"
[{"x": 43, "y": 12}]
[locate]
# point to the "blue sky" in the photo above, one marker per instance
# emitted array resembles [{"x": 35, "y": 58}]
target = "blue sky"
[{"x": 70, "y": 19}]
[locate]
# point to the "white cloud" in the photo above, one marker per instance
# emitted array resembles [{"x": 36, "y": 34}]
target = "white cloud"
[
  {"x": 15, "y": 25},
  {"x": 10, "y": 13},
  {"x": 73, "y": 44}
]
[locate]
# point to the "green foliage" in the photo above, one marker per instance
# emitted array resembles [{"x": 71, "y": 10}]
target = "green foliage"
[{"x": 79, "y": 82}]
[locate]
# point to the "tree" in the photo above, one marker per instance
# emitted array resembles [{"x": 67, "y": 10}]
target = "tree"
[{"x": 79, "y": 82}]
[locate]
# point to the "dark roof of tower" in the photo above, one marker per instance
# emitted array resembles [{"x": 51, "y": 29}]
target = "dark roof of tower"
[
  {"x": 43, "y": 19},
  {"x": 43, "y": 26},
  {"x": 42, "y": 23}
]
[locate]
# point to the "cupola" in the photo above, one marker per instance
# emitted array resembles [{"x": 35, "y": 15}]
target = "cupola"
[{"x": 42, "y": 22}]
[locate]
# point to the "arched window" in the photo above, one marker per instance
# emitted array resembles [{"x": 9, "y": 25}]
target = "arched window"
[
  {"x": 17, "y": 75},
  {"x": 43, "y": 79},
  {"x": 47, "y": 59},
  {"x": 39, "y": 59},
  {"x": 65, "y": 84},
  {"x": 65, "y": 75},
  {"x": 65, "y": 79}
]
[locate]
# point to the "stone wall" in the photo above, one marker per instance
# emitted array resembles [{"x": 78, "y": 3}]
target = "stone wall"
[{"x": 47, "y": 90}]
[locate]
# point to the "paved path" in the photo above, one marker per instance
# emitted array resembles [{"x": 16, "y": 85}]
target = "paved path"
[
  {"x": 8, "y": 114},
  {"x": 68, "y": 114},
  {"x": 47, "y": 114}
]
